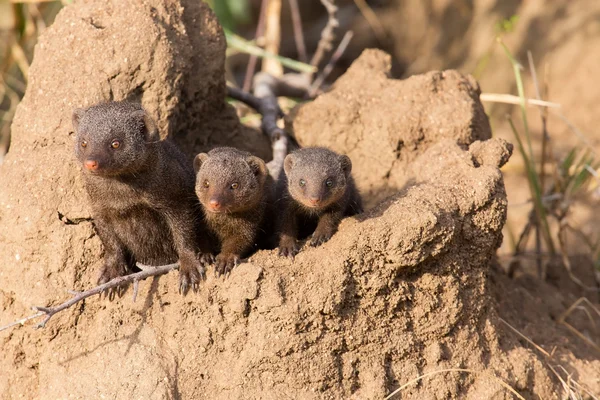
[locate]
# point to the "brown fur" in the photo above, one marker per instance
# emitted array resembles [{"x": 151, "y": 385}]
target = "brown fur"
[
  {"x": 317, "y": 187},
  {"x": 141, "y": 193},
  {"x": 235, "y": 190}
]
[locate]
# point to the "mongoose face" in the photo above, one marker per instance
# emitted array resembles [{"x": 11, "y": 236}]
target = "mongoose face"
[
  {"x": 229, "y": 180},
  {"x": 113, "y": 138},
  {"x": 317, "y": 177}
]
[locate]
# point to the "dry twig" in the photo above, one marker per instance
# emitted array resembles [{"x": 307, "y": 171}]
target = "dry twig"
[
  {"x": 298, "y": 33},
  {"x": 260, "y": 28},
  {"x": 329, "y": 67},
  {"x": 49, "y": 312},
  {"x": 327, "y": 35},
  {"x": 267, "y": 106}
]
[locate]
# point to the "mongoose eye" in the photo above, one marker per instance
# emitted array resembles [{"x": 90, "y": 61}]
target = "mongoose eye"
[
  {"x": 83, "y": 144},
  {"x": 302, "y": 182},
  {"x": 235, "y": 185},
  {"x": 115, "y": 144},
  {"x": 206, "y": 184},
  {"x": 329, "y": 183}
]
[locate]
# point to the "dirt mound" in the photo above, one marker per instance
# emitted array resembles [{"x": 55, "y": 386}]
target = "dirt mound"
[
  {"x": 401, "y": 290},
  {"x": 383, "y": 123}
]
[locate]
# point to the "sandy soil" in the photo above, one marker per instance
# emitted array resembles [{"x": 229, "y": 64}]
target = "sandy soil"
[{"x": 407, "y": 288}]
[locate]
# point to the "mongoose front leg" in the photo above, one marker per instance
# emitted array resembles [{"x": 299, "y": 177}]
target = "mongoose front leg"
[
  {"x": 328, "y": 223},
  {"x": 288, "y": 244},
  {"x": 231, "y": 251},
  {"x": 115, "y": 254},
  {"x": 191, "y": 263}
]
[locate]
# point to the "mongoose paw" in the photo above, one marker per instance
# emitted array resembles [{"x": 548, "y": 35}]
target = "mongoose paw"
[
  {"x": 319, "y": 238},
  {"x": 108, "y": 273},
  {"x": 190, "y": 276},
  {"x": 289, "y": 249},
  {"x": 225, "y": 263},
  {"x": 207, "y": 259}
]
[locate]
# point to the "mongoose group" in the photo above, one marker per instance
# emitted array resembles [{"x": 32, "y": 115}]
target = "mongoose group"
[{"x": 151, "y": 206}]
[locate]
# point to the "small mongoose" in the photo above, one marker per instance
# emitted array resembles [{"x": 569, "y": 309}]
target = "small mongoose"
[
  {"x": 141, "y": 191},
  {"x": 235, "y": 190},
  {"x": 316, "y": 189}
]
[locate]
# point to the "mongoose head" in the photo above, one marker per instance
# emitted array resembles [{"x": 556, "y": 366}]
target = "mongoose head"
[
  {"x": 229, "y": 180},
  {"x": 113, "y": 138},
  {"x": 317, "y": 177}
]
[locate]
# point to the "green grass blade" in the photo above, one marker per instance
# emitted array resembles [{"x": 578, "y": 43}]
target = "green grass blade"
[
  {"x": 517, "y": 71},
  {"x": 245, "y": 46},
  {"x": 535, "y": 190}
]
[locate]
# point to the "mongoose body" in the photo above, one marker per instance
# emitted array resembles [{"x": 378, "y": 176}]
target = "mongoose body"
[
  {"x": 236, "y": 191},
  {"x": 316, "y": 188},
  {"x": 141, "y": 191}
]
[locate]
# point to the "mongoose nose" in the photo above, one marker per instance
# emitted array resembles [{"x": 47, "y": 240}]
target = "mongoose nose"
[
  {"x": 214, "y": 204},
  {"x": 314, "y": 201},
  {"x": 91, "y": 165}
]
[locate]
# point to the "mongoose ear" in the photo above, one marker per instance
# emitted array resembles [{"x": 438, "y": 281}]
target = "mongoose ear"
[
  {"x": 76, "y": 117},
  {"x": 288, "y": 163},
  {"x": 150, "y": 129},
  {"x": 257, "y": 165},
  {"x": 199, "y": 160},
  {"x": 346, "y": 164}
]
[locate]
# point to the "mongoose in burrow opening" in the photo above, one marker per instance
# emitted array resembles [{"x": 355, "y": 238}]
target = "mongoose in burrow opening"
[
  {"x": 141, "y": 191},
  {"x": 316, "y": 189},
  {"x": 236, "y": 191}
]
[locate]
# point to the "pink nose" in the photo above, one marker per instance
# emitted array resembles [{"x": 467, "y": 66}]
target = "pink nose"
[
  {"x": 314, "y": 201},
  {"x": 91, "y": 165},
  {"x": 214, "y": 204}
]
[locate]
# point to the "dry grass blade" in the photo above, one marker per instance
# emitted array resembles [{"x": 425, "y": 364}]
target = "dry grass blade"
[
  {"x": 469, "y": 371},
  {"x": 579, "y": 134},
  {"x": 273, "y": 38},
  {"x": 368, "y": 13},
  {"x": 570, "y": 386},
  {"x": 531, "y": 342},
  {"x": 260, "y": 28},
  {"x": 298, "y": 32},
  {"x": 21, "y": 59},
  {"x": 512, "y": 99},
  {"x": 563, "y": 317}
]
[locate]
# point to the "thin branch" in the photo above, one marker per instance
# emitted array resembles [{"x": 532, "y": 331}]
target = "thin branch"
[
  {"x": 266, "y": 106},
  {"x": 327, "y": 35},
  {"x": 49, "y": 312},
  {"x": 260, "y": 28},
  {"x": 245, "y": 97},
  {"x": 298, "y": 32},
  {"x": 265, "y": 103},
  {"x": 21, "y": 321},
  {"x": 329, "y": 67}
]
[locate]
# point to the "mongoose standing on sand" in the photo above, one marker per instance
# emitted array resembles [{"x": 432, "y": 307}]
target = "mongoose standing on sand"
[
  {"x": 142, "y": 193},
  {"x": 317, "y": 188},
  {"x": 236, "y": 190}
]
